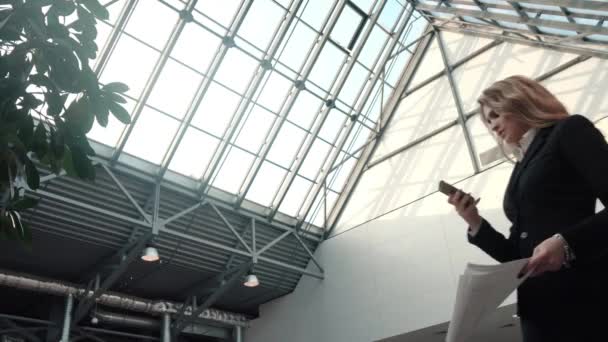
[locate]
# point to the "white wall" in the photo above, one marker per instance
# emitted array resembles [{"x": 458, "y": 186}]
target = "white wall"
[{"x": 392, "y": 265}]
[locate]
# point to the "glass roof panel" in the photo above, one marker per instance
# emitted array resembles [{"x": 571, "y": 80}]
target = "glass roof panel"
[
  {"x": 110, "y": 134},
  {"x": 295, "y": 196},
  {"x": 139, "y": 23},
  {"x": 193, "y": 153},
  {"x": 286, "y": 145},
  {"x": 132, "y": 71},
  {"x": 304, "y": 109},
  {"x": 254, "y": 129},
  {"x": 374, "y": 46},
  {"x": 174, "y": 89},
  {"x": 196, "y": 47},
  {"x": 260, "y": 23},
  {"x": 315, "y": 12},
  {"x": 333, "y": 125},
  {"x": 151, "y": 135},
  {"x": 274, "y": 91},
  {"x": 236, "y": 78},
  {"x": 315, "y": 159},
  {"x": 233, "y": 170},
  {"x": 327, "y": 66},
  {"x": 220, "y": 11},
  {"x": 294, "y": 50},
  {"x": 216, "y": 109},
  {"x": 337, "y": 178},
  {"x": 364, "y": 5},
  {"x": 356, "y": 79},
  {"x": 266, "y": 184},
  {"x": 390, "y": 14}
]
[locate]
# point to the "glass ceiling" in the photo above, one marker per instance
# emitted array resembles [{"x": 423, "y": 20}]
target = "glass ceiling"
[
  {"x": 560, "y": 22},
  {"x": 266, "y": 104}
]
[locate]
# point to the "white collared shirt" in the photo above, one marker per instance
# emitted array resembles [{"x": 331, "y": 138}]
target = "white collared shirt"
[{"x": 524, "y": 143}]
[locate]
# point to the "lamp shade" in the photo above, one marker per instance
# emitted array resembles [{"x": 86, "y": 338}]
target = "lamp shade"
[
  {"x": 251, "y": 280},
  {"x": 150, "y": 254}
]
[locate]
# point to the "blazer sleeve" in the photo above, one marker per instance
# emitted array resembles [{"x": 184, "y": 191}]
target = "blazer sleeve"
[
  {"x": 584, "y": 146},
  {"x": 494, "y": 243}
]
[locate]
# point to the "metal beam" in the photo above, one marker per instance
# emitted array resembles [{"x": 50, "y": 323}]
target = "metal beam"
[
  {"x": 517, "y": 7},
  {"x": 234, "y": 279},
  {"x": 143, "y": 214},
  {"x": 87, "y": 303},
  {"x": 458, "y": 102},
  {"x": 312, "y": 257},
  {"x": 583, "y": 4},
  {"x": 236, "y": 234},
  {"x": 272, "y": 243},
  {"x": 357, "y": 172},
  {"x": 25, "y": 332},
  {"x": 514, "y": 19}
]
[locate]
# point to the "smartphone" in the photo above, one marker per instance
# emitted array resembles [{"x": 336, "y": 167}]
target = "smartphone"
[{"x": 446, "y": 188}]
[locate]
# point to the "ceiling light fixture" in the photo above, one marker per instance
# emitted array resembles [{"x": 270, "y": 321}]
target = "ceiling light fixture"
[
  {"x": 251, "y": 280},
  {"x": 150, "y": 254}
]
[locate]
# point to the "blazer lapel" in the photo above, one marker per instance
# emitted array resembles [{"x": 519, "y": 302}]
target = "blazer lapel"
[{"x": 535, "y": 146}]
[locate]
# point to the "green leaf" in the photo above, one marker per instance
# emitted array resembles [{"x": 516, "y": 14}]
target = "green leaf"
[
  {"x": 32, "y": 175},
  {"x": 119, "y": 112},
  {"x": 82, "y": 164},
  {"x": 26, "y": 131},
  {"x": 116, "y": 87},
  {"x": 57, "y": 144},
  {"x": 68, "y": 164},
  {"x": 96, "y": 8},
  {"x": 64, "y": 7},
  {"x": 24, "y": 204},
  {"x": 114, "y": 97},
  {"x": 79, "y": 117},
  {"x": 40, "y": 144}
]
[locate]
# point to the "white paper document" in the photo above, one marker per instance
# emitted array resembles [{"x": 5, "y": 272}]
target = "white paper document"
[{"x": 481, "y": 289}]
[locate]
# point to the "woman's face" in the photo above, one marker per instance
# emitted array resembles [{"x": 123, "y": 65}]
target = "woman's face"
[{"x": 505, "y": 125}]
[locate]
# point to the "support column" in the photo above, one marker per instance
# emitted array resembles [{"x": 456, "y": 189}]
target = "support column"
[
  {"x": 238, "y": 334},
  {"x": 166, "y": 332},
  {"x": 65, "y": 334}
]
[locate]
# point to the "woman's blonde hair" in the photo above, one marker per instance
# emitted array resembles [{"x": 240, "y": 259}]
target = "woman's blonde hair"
[{"x": 526, "y": 100}]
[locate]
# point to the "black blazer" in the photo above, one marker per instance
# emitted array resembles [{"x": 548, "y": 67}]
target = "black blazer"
[{"x": 554, "y": 190}]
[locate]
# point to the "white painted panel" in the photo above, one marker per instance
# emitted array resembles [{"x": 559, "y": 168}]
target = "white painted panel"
[
  {"x": 500, "y": 62},
  {"x": 459, "y": 46},
  {"x": 431, "y": 64},
  {"x": 418, "y": 114},
  {"x": 408, "y": 176}
]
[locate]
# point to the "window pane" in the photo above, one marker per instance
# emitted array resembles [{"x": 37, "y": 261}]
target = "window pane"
[
  {"x": 327, "y": 66},
  {"x": 221, "y": 11},
  {"x": 233, "y": 170},
  {"x": 196, "y": 47},
  {"x": 396, "y": 68},
  {"x": 110, "y": 134},
  {"x": 254, "y": 131},
  {"x": 390, "y": 14},
  {"x": 304, "y": 109},
  {"x": 315, "y": 159},
  {"x": 295, "y": 196},
  {"x": 174, "y": 89},
  {"x": 193, "y": 153},
  {"x": 332, "y": 125},
  {"x": 266, "y": 183},
  {"x": 274, "y": 92},
  {"x": 151, "y": 135},
  {"x": 357, "y": 77},
  {"x": 337, "y": 179},
  {"x": 373, "y": 47},
  {"x": 236, "y": 70},
  {"x": 344, "y": 30},
  {"x": 260, "y": 23},
  {"x": 321, "y": 208},
  {"x": 358, "y": 137},
  {"x": 364, "y": 5},
  {"x": 130, "y": 63},
  {"x": 152, "y": 31},
  {"x": 316, "y": 11},
  {"x": 216, "y": 109},
  {"x": 286, "y": 145},
  {"x": 294, "y": 51}
]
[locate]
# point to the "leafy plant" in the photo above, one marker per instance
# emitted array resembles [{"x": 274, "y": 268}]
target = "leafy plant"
[{"x": 49, "y": 97}]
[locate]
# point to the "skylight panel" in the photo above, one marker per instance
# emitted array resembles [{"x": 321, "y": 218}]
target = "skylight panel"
[
  {"x": 233, "y": 170},
  {"x": 216, "y": 109},
  {"x": 266, "y": 184},
  {"x": 151, "y": 135},
  {"x": 139, "y": 23},
  {"x": 193, "y": 153}
]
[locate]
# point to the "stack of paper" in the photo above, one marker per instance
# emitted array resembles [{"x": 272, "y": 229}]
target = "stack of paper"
[{"x": 481, "y": 289}]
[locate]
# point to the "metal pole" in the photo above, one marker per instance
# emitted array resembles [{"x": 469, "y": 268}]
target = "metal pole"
[
  {"x": 65, "y": 334},
  {"x": 238, "y": 334},
  {"x": 166, "y": 337}
]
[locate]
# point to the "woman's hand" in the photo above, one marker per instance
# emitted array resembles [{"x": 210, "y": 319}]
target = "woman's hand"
[
  {"x": 549, "y": 255},
  {"x": 466, "y": 207}
]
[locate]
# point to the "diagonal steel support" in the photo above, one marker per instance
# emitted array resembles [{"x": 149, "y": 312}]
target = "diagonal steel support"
[
  {"x": 184, "y": 212},
  {"x": 223, "y": 288},
  {"x": 458, "y": 102},
  {"x": 87, "y": 303},
  {"x": 26, "y": 333},
  {"x": 126, "y": 193},
  {"x": 238, "y": 236},
  {"x": 272, "y": 243},
  {"x": 312, "y": 257}
]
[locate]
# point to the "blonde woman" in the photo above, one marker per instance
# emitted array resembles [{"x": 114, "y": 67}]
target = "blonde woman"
[{"x": 561, "y": 170}]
